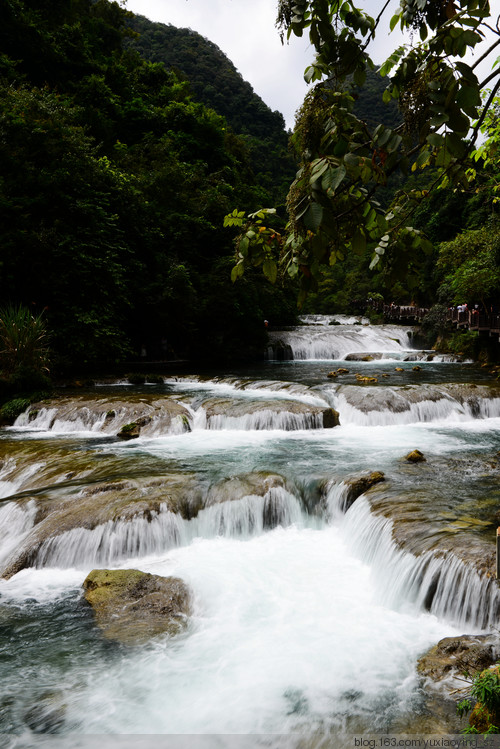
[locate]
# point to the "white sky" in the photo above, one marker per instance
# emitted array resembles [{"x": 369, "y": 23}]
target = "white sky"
[{"x": 245, "y": 31}]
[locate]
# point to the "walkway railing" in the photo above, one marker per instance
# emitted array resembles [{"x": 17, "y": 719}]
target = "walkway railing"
[
  {"x": 401, "y": 313},
  {"x": 475, "y": 320}
]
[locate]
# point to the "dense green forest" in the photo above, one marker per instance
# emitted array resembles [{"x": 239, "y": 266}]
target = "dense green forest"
[
  {"x": 114, "y": 182},
  {"x": 214, "y": 81}
]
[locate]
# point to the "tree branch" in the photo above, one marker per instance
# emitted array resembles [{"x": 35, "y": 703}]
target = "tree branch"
[
  {"x": 485, "y": 110},
  {"x": 488, "y": 51}
]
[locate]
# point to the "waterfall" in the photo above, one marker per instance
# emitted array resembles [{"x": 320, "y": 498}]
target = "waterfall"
[
  {"x": 337, "y": 342},
  {"x": 267, "y": 419},
  {"x": 442, "y": 584},
  {"x": 15, "y": 523},
  {"x": 413, "y": 405},
  {"x": 157, "y": 532}
]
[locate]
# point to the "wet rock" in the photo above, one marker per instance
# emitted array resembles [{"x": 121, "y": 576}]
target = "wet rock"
[
  {"x": 363, "y": 357},
  {"x": 452, "y": 656},
  {"x": 415, "y": 456},
  {"x": 359, "y": 485},
  {"x": 265, "y": 414},
  {"x": 330, "y": 418},
  {"x": 129, "y": 431},
  {"x": 249, "y": 484},
  {"x": 131, "y": 606}
]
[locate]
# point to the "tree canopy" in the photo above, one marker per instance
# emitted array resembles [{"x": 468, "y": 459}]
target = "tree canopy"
[
  {"x": 114, "y": 180},
  {"x": 333, "y": 202}
]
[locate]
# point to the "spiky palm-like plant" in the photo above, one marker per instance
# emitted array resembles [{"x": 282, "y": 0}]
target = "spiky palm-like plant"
[{"x": 23, "y": 341}]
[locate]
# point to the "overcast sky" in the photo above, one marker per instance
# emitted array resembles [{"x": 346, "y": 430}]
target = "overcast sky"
[{"x": 245, "y": 31}]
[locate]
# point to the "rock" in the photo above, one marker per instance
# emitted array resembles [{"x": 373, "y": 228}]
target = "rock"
[
  {"x": 332, "y": 374},
  {"x": 132, "y": 606},
  {"x": 359, "y": 485},
  {"x": 330, "y": 418},
  {"x": 113, "y": 415},
  {"x": 416, "y": 368},
  {"x": 272, "y": 413},
  {"x": 363, "y": 379},
  {"x": 398, "y": 369},
  {"x": 129, "y": 431},
  {"x": 454, "y": 655},
  {"x": 363, "y": 357},
  {"x": 249, "y": 484},
  {"x": 102, "y": 503},
  {"x": 415, "y": 456}
]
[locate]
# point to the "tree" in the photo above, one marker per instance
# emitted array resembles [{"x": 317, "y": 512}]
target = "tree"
[{"x": 332, "y": 203}]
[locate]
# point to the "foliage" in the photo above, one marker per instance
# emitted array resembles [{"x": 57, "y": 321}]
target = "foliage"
[
  {"x": 469, "y": 266},
  {"x": 12, "y": 409},
  {"x": 345, "y": 160},
  {"x": 114, "y": 181},
  {"x": 485, "y": 691},
  {"x": 213, "y": 80},
  {"x": 23, "y": 341}
]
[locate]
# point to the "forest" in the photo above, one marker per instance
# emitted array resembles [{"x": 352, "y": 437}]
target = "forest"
[
  {"x": 115, "y": 180},
  {"x": 123, "y": 145}
]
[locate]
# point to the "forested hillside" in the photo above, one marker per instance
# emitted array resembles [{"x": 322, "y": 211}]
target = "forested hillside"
[
  {"x": 214, "y": 81},
  {"x": 113, "y": 187}
]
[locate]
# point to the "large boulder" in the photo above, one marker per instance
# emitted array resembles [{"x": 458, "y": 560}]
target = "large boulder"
[{"x": 131, "y": 606}]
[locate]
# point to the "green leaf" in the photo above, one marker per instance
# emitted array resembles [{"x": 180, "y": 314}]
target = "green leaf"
[
  {"x": 468, "y": 97},
  {"x": 435, "y": 139},
  {"x": 313, "y": 217},
  {"x": 358, "y": 242},
  {"x": 334, "y": 178},
  {"x": 270, "y": 270},
  {"x": 237, "y": 271}
]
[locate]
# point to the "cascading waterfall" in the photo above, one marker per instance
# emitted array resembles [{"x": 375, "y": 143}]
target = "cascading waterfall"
[
  {"x": 114, "y": 541},
  {"x": 443, "y": 585},
  {"x": 412, "y": 406},
  {"x": 336, "y": 342},
  {"x": 308, "y": 614}
]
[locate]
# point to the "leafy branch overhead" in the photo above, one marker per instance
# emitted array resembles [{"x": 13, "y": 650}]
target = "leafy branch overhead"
[{"x": 333, "y": 203}]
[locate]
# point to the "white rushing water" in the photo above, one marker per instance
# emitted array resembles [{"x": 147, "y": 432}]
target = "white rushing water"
[{"x": 308, "y": 618}]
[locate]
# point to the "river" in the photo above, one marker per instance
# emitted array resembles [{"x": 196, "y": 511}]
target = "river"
[{"x": 309, "y": 617}]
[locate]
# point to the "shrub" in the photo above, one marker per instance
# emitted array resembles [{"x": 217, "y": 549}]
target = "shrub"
[
  {"x": 12, "y": 409},
  {"x": 23, "y": 342}
]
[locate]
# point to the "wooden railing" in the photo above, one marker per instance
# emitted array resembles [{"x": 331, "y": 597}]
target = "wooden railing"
[{"x": 475, "y": 320}]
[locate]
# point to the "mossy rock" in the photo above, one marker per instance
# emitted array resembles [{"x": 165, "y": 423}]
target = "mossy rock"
[
  {"x": 131, "y": 606},
  {"x": 129, "y": 431},
  {"x": 330, "y": 418},
  {"x": 415, "y": 456}
]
